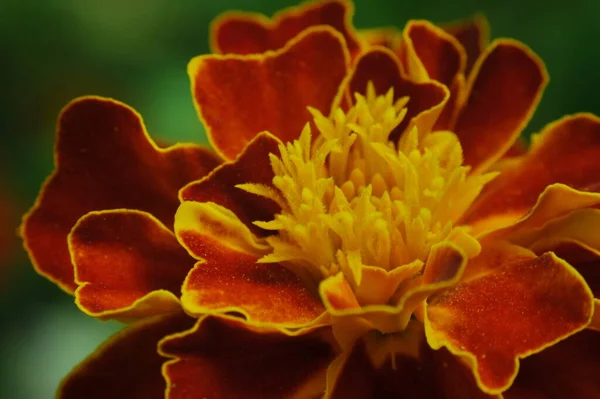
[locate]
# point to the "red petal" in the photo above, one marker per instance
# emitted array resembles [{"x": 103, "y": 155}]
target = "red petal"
[
  {"x": 566, "y": 151},
  {"x": 381, "y": 67},
  {"x": 502, "y": 94},
  {"x": 225, "y": 358},
  {"x": 569, "y": 369},
  {"x": 238, "y": 97},
  {"x": 585, "y": 260},
  {"x": 432, "y": 53},
  {"x": 230, "y": 279},
  {"x": 248, "y": 33},
  {"x": 432, "y": 374},
  {"x": 104, "y": 160},
  {"x": 519, "y": 148},
  {"x": 473, "y": 34},
  {"x": 251, "y": 166},
  {"x": 127, "y": 366},
  {"x": 128, "y": 265},
  {"x": 511, "y": 310}
]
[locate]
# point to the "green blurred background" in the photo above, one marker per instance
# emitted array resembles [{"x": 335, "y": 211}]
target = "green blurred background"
[{"x": 137, "y": 51}]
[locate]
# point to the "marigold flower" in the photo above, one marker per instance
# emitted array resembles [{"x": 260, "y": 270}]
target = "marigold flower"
[{"x": 361, "y": 233}]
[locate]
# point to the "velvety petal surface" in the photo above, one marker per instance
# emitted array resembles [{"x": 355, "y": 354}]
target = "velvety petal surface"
[
  {"x": 238, "y": 97},
  {"x": 104, "y": 160},
  {"x": 502, "y": 93},
  {"x": 250, "y": 33},
  {"x": 473, "y": 34},
  {"x": 251, "y": 166},
  {"x": 382, "y": 67},
  {"x": 127, "y": 264},
  {"x": 224, "y": 358},
  {"x": 228, "y": 277},
  {"x": 566, "y": 152},
  {"x": 510, "y": 306},
  {"x": 422, "y": 374},
  {"x": 569, "y": 369},
  {"x": 127, "y": 366}
]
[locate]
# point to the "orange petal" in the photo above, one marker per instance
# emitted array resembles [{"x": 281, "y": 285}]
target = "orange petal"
[
  {"x": 128, "y": 265},
  {"x": 337, "y": 293},
  {"x": 225, "y": 358},
  {"x": 229, "y": 279},
  {"x": 251, "y": 166},
  {"x": 569, "y": 369},
  {"x": 473, "y": 34},
  {"x": 383, "y": 68},
  {"x": 431, "y": 374},
  {"x": 250, "y": 33},
  {"x": 432, "y": 53},
  {"x": 104, "y": 160},
  {"x": 238, "y": 97},
  {"x": 513, "y": 309},
  {"x": 566, "y": 151},
  {"x": 502, "y": 93},
  {"x": 127, "y": 366}
]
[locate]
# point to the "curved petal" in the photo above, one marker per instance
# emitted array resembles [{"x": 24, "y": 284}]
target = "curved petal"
[
  {"x": 414, "y": 372},
  {"x": 239, "y": 96},
  {"x": 225, "y": 358},
  {"x": 569, "y": 369},
  {"x": 250, "y": 33},
  {"x": 127, "y": 365},
  {"x": 502, "y": 93},
  {"x": 382, "y": 67},
  {"x": 444, "y": 268},
  {"x": 229, "y": 279},
  {"x": 566, "y": 151},
  {"x": 104, "y": 160},
  {"x": 128, "y": 265},
  {"x": 579, "y": 226},
  {"x": 473, "y": 34},
  {"x": 432, "y": 53},
  {"x": 251, "y": 166},
  {"x": 584, "y": 259},
  {"x": 509, "y": 310}
]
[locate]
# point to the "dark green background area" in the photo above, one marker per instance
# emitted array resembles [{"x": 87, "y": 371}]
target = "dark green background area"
[{"x": 137, "y": 51}]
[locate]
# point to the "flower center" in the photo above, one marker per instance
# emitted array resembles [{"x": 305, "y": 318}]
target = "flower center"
[{"x": 352, "y": 198}]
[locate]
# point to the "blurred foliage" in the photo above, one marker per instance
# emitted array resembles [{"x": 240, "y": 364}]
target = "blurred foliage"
[{"x": 137, "y": 51}]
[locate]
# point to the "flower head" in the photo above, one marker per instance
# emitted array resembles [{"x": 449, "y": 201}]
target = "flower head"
[{"x": 365, "y": 233}]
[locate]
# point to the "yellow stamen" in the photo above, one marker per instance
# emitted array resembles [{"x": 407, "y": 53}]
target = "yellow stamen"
[{"x": 351, "y": 198}]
